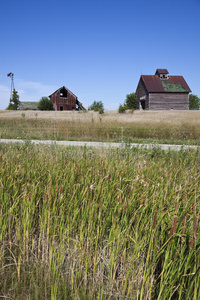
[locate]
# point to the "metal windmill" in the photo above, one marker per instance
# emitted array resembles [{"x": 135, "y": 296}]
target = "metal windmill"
[{"x": 11, "y": 75}]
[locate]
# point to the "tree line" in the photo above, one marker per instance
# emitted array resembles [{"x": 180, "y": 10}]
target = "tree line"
[{"x": 130, "y": 103}]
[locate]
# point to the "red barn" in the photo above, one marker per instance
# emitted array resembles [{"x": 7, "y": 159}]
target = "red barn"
[
  {"x": 162, "y": 92},
  {"x": 64, "y": 99}
]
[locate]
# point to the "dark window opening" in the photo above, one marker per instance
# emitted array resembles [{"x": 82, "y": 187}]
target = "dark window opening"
[
  {"x": 63, "y": 93},
  {"x": 143, "y": 104},
  {"x": 165, "y": 76},
  {"x": 61, "y": 107}
]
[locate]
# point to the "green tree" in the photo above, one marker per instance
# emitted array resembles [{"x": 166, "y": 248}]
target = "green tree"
[
  {"x": 194, "y": 102},
  {"x": 45, "y": 104},
  {"x": 14, "y": 101},
  {"x": 129, "y": 103},
  {"x": 97, "y": 106}
]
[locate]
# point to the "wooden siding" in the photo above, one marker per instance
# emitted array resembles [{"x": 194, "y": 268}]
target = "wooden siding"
[
  {"x": 142, "y": 93},
  {"x": 63, "y": 103},
  {"x": 168, "y": 101}
]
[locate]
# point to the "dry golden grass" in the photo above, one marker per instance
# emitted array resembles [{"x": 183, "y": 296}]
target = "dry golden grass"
[
  {"x": 175, "y": 117},
  {"x": 161, "y": 125}
]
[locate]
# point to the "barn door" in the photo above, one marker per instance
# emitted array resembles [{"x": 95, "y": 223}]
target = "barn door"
[{"x": 143, "y": 104}]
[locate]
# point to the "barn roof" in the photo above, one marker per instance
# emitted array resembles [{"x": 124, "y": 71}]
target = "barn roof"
[
  {"x": 174, "y": 84},
  {"x": 28, "y": 105},
  {"x": 63, "y": 87}
]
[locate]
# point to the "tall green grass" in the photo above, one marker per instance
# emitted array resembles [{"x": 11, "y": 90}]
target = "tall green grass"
[{"x": 78, "y": 223}]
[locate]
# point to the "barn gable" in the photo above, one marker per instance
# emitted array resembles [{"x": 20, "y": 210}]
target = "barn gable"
[
  {"x": 162, "y": 91},
  {"x": 64, "y": 99}
]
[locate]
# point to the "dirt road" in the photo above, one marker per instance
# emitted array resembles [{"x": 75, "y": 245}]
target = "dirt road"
[{"x": 102, "y": 145}]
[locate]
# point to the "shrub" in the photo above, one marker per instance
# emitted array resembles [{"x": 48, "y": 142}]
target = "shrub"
[
  {"x": 129, "y": 103},
  {"x": 122, "y": 108},
  {"x": 45, "y": 104},
  {"x": 97, "y": 106},
  {"x": 101, "y": 111}
]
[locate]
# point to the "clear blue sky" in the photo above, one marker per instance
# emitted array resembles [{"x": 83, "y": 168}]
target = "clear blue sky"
[{"x": 96, "y": 48}]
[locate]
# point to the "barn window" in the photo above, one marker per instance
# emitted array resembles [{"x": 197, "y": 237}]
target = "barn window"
[
  {"x": 163, "y": 76},
  {"x": 63, "y": 93}
]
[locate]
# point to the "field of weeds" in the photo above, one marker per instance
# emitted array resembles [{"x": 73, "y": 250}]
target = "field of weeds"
[
  {"x": 181, "y": 127},
  {"x": 78, "y": 223}
]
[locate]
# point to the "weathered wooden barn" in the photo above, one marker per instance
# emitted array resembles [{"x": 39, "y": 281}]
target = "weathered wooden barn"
[
  {"x": 64, "y": 99},
  {"x": 162, "y": 92}
]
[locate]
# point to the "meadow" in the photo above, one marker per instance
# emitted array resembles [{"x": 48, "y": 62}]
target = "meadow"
[
  {"x": 79, "y": 223},
  {"x": 173, "y": 127}
]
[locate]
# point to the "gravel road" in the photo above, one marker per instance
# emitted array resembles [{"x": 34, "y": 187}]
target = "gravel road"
[{"x": 101, "y": 145}]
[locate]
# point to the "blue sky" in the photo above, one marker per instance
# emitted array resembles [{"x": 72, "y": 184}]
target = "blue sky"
[{"x": 97, "y": 49}]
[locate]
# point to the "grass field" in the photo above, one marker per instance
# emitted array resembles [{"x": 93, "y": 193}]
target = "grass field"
[
  {"x": 175, "y": 127},
  {"x": 78, "y": 223}
]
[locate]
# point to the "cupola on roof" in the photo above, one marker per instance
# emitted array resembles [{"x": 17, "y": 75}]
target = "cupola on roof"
[{"x": 161, "y": 71}]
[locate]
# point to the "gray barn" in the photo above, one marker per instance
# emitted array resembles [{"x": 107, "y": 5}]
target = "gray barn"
[{"x": 162, "y": 92}]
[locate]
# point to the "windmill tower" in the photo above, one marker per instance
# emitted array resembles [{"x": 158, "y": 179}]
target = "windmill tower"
[{"x": 11, "y": 75}]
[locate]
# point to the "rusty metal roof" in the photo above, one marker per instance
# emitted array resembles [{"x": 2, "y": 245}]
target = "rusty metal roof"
[
  {"x": 152, "y": 83},
  {"x": 179, "y": 80},
  {"x": 174, "y": 84},
  {"x": 162, "y": 71}
]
